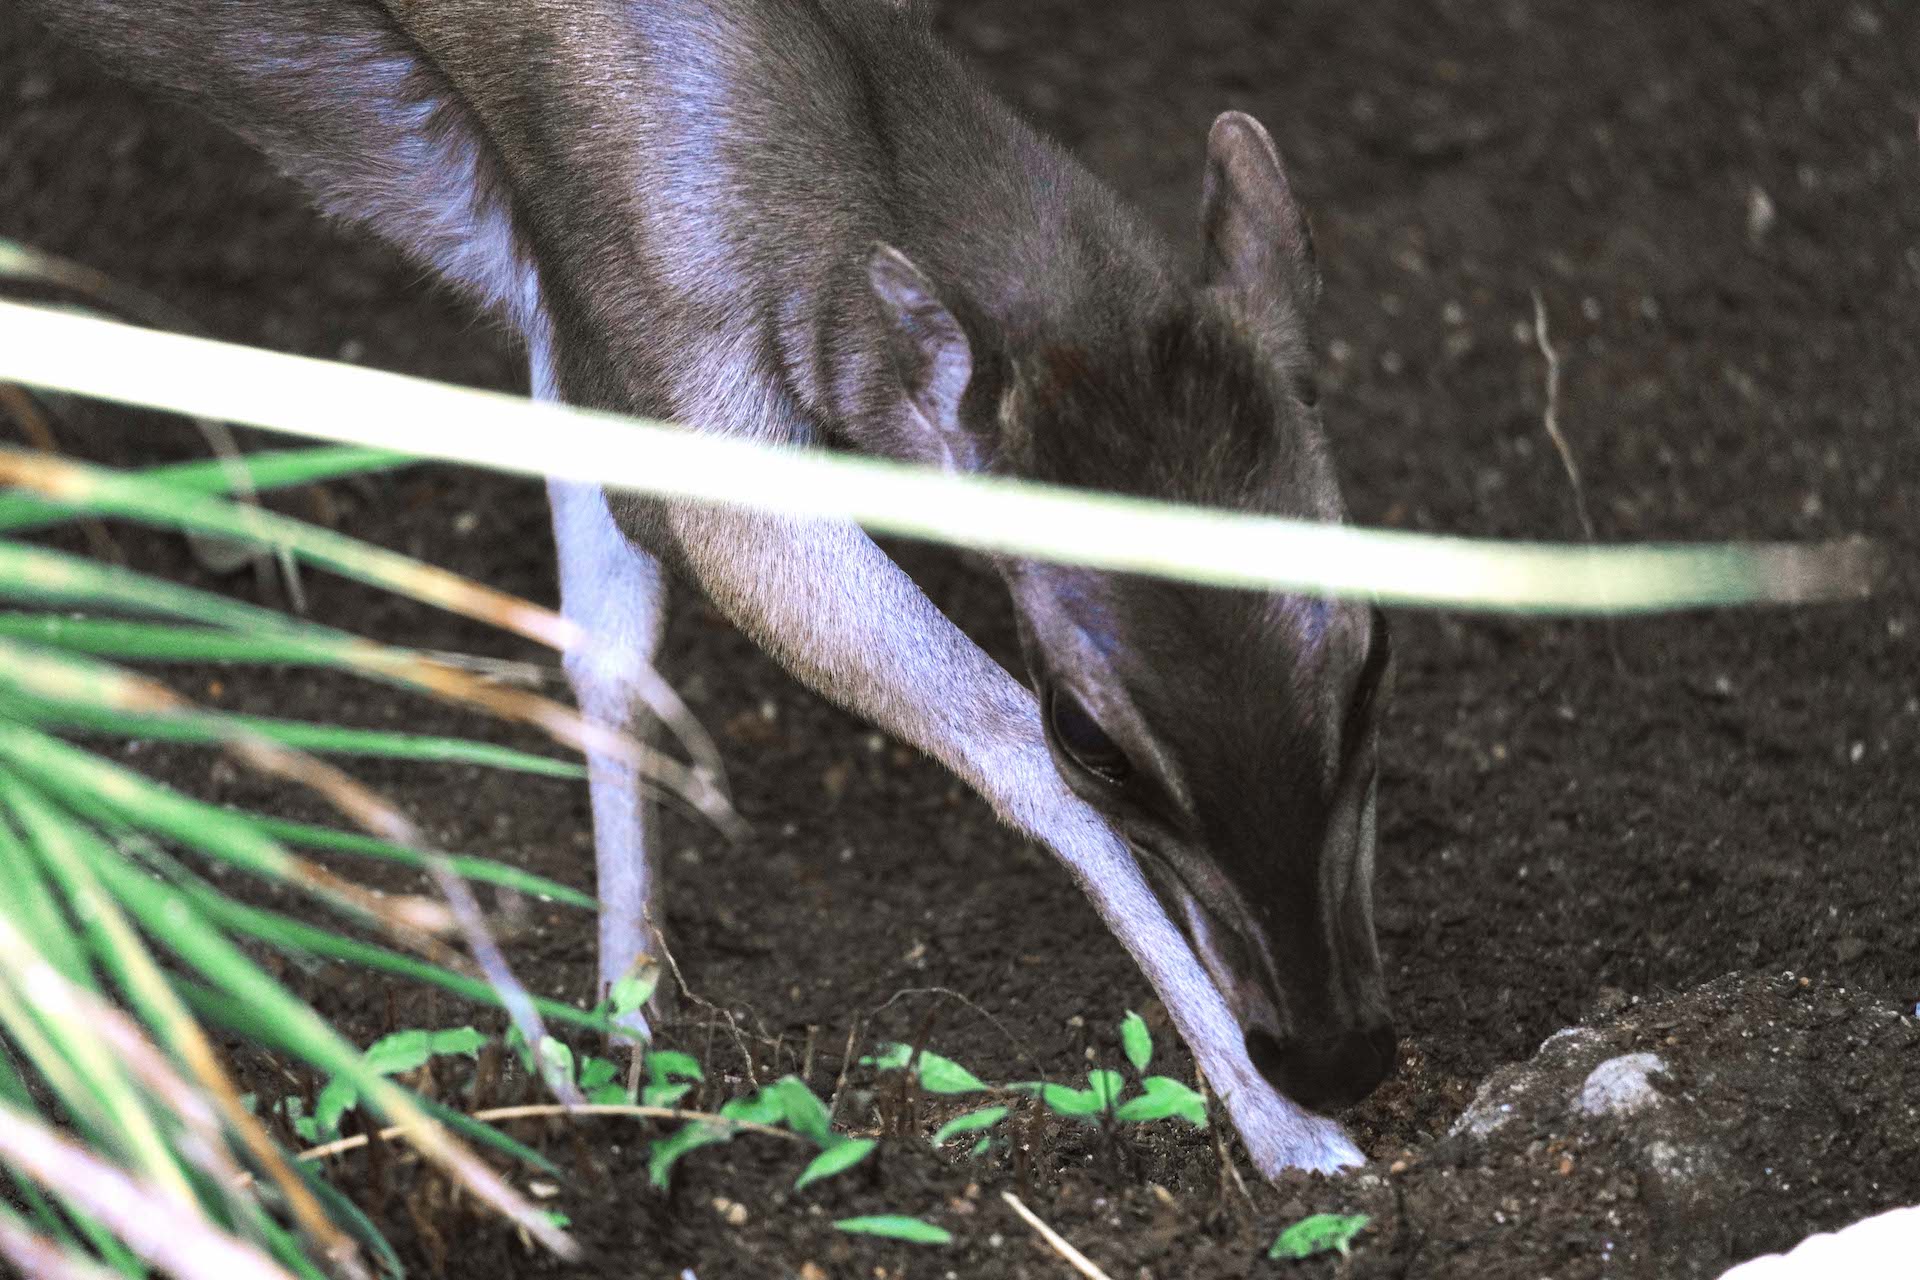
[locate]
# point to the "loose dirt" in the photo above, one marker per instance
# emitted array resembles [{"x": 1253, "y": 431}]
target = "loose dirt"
[{"x": 1717, "y": 205}]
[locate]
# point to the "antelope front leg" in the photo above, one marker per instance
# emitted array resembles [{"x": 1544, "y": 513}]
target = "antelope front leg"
[
  {"x": 618, "y": 593},
  {"x": 832, "y": 608}
]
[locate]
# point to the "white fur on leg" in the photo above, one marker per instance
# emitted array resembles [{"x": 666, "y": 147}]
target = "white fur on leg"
[{"x": 618, "y": 594}]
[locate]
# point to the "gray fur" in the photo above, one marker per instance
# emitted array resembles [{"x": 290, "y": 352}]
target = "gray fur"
[{"x": 803, "y": 220}]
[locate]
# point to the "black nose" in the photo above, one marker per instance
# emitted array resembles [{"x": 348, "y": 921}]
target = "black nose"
[{"x": 1327, "y": 1072}]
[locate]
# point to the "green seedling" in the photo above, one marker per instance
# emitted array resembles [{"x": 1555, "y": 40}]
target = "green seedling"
[
  {"x": 1103, "y": 1101},
  {"x": 1321, "y": 1233},
  {"x": 786, "y": 1103},
  {"x": 391, "y": 1055},
  {"x": 893, "y": 1226}
]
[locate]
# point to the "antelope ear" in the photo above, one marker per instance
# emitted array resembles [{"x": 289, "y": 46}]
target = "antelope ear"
[
  {"x": 930, "y": 356},
  {"x": 1254, "y": 239}
]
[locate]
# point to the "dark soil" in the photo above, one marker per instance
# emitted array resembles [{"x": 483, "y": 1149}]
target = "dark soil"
[{"x": 1717, "y": 204}]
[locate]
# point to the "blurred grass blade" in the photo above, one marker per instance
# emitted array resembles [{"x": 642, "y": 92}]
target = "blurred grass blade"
[
  {"x": 290, "y": 934},
  {"x": 342, "y": 403},
  {"x": 220, "y": 727},
  {"x": 105, "y": 492},
  {"x": 13, "y": 1089},
  {"x": 268, "y": 469},
  {"x": 169, "y": 917},
  {"x": 176, "y": 1238},
  {"x": 63, "y": 844},
  {"x": 103, "y": 696},
  {"x": 46, "y": 1257},
  {"x": 58, "y": 578},
  {"x": 482, "y": 870},
  {"x": 92, "y": 785}
]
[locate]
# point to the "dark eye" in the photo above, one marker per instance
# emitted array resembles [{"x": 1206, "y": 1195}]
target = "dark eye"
[
  {"x": 1306, "y": 389},
  {"x": 1077, "y": 735}
]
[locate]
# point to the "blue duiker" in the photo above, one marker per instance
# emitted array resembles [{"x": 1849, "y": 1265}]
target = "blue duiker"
[{"x": 805, "y": 221}]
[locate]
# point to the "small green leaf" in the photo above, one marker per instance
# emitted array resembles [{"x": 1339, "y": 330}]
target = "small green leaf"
[
  {"x": 892, "y": 1057},
  {"x": 457, "y": 1040},
  {"x": 608, "y": 1095},
  {"x": 1106, "y": 1086},
  {"x": 558, "y": 1219},
  {"x": 665, "y": 1152},
  {"x": 1136, "y": 1041},
  {"x": 1063, "y": 1100},
  {"x": 634, "y": 990},
  {"x": 556, "y": 1057},
  {"x": 937, "y": 1074},
  {"x": 835, "y": 1159},
  {"x": 971, "y": 1122},
  {"x": 595, "y": 1072},
  {"x": 981, "y": 1148},
  {"x": 334, "y": 1101},
  {"x": 402, "y": 1051},
  {"x": 1160, "y": 1098},
  {"x": 895, "y": 1227},
  {"x": 944, "y": 1075},
  {"x": 764, "y": 1107},
  {"x": 1321, "y": 1233},
  {"x": 806, "y": 1115},
  {"x": 664, "y": 1065},
  {"x": 663, "y": 1095}
]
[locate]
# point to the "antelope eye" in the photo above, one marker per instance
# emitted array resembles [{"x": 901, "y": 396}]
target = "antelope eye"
[
  {"x": 1083, "y": 740},
  {"x": 1306, "y": 389}
]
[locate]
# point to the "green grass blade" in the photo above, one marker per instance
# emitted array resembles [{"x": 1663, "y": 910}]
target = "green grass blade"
[
  {"x": 161, "y": 642},
  {"x": 75, "y": 1062},
  {"x": 56, "y": 577},
  {"x": 215, "y": 728},
  {"x": 13, "y": 1089},
  {"x": 313, "y": 398},
  {"x": 32, "y": 907},
  {"x": 170, "y": 917},
  {"x": 483, "y": 1134},
  {"x": 268, "y": 469},
  {"x": 97, "y": 788},
  {"x": 352, "y": 1219},
  {"x": 289, "y": 934},
  {"x": 481, "y": 870}
]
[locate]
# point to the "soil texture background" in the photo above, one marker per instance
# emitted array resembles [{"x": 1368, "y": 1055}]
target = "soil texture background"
[{"x": 1717, "y": 206}]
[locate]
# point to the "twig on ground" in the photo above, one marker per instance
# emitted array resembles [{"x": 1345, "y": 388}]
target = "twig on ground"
[
  {"x": 553, "y": 1109},
  {"x": 1551, "y": 418},
  {"x": 846, "y": 1065},
  {"x": 1058, "y": 1243}
]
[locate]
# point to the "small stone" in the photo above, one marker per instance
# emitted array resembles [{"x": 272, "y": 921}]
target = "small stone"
[
  {"x": 1622, "y": 1085},
  {"x": 1760, "y": 215},
  {"x": 733, "y": 1213}
]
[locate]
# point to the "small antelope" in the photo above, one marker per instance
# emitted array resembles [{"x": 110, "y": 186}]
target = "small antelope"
[{"x": 805, "y": 221}]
